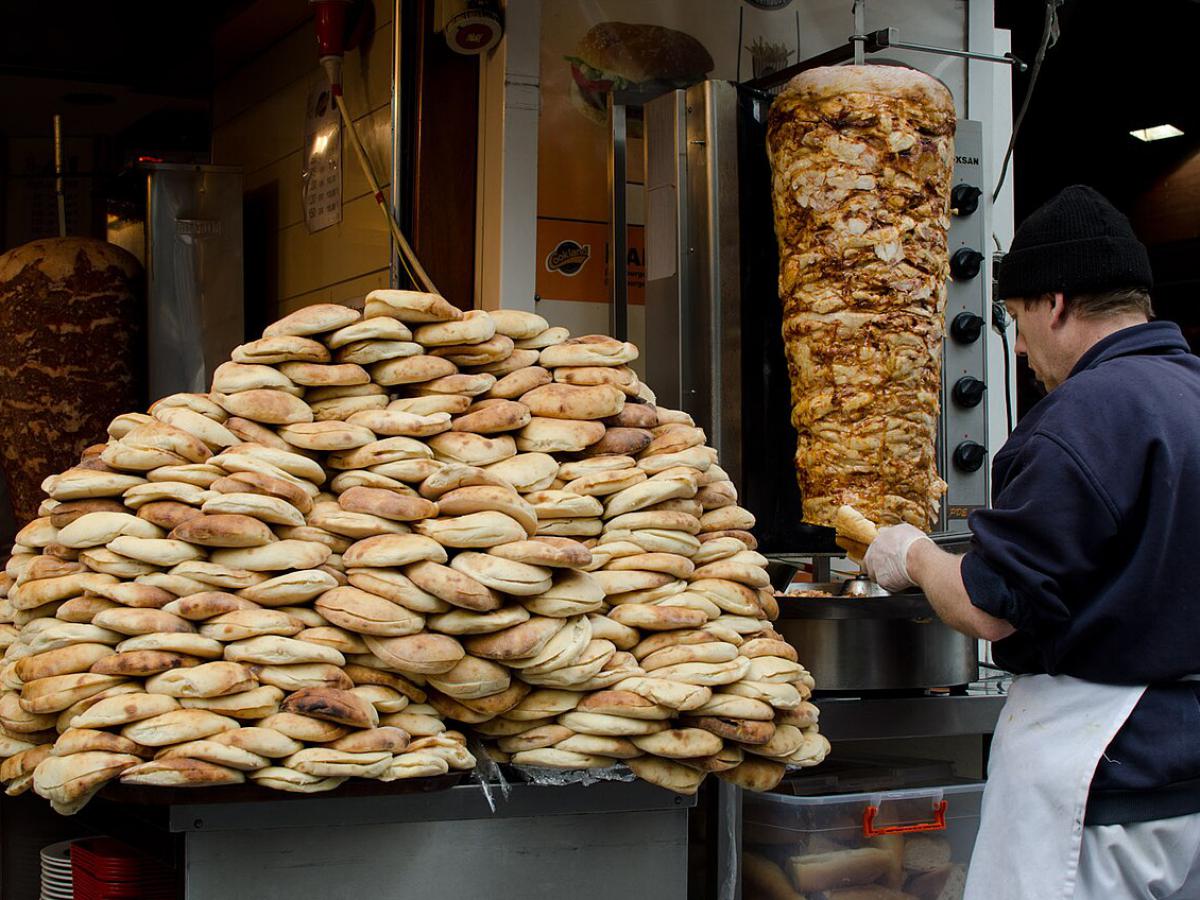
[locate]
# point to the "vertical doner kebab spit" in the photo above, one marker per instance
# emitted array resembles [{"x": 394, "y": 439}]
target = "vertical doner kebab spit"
[{"x": 862, "y": 159}]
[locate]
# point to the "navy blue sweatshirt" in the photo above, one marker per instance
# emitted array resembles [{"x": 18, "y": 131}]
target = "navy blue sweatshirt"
[{"x": 1091, "y": 549}]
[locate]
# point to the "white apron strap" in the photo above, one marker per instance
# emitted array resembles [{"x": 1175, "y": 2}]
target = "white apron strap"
[{"x": 1049, "y": 740}]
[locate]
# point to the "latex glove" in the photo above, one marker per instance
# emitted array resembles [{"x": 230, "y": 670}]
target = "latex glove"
[{"x": 887, "y": 557}]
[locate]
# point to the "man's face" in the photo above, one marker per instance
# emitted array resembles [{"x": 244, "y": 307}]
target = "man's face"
[{"x": 1037, "y": 340}]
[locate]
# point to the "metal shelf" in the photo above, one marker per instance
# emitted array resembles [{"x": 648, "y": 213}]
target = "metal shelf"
[
  {"x": 891, "y": 718},
  {"x": 605, "y": 840},
  {"x": 208, "y": 811}
]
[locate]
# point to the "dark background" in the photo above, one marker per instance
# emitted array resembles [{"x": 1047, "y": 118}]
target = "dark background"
[{"x": 1118, "y": 66}]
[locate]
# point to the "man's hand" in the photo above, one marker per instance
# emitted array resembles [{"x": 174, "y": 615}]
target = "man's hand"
[{"x": 887, "y": 557}]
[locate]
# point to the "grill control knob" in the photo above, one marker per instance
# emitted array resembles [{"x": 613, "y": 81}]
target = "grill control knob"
[
  {"x": 966, "y": 327},
  {"x": 964, "y": 264},
  {"x": 969, "y": 456},
  {"x": 968, "y": 391},
  {"x": 964, "y": 199}
]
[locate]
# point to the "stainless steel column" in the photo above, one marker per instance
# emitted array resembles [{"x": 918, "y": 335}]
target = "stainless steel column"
[
  {"x": 618, "y": 242},
  {"x": 193, "y": 273},
  {"x": 693, "y": 278}
]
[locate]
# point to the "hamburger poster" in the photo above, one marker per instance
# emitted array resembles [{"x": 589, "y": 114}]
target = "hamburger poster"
[{"x": 588, "y": 47}]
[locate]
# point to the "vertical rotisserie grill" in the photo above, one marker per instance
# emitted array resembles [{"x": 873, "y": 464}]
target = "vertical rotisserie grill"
[{"x": 862, "y": 160}]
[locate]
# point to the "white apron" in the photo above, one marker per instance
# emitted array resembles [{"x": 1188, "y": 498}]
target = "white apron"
[{"x": 1052, "y": 731}]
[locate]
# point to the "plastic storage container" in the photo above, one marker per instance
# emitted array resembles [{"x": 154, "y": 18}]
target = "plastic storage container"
[{"x": 907, "y": 843}]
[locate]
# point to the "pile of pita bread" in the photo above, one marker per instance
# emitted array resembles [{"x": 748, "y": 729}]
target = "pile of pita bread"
[{"x": 379, "y": 532}]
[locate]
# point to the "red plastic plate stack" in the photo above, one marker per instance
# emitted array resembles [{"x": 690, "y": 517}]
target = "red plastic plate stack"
[{"x": 105, "y": 869}]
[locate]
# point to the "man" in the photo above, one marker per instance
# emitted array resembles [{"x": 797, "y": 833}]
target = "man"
[{"x": 1086, "y": 574}]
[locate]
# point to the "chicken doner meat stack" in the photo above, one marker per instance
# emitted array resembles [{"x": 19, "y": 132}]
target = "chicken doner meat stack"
[{"x": 862, "y": 160}]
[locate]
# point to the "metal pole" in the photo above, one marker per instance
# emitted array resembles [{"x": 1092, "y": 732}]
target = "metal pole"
[
  {"x": 618, "y": 276},
  {"x": 1007, "y": 58},
  {"x": 58, "y": 177},
  {"x": 860, "y": 28},
  {"x": 861, "y": 44},
  {"x": 729, "y": 841},
  {"x": 397, "y": 137}
]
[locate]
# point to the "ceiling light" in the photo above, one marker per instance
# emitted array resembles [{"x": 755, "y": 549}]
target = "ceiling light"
[{"x": 1156, "y": 133}]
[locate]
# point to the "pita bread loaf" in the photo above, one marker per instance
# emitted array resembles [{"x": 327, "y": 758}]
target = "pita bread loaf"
[
  {"x": 465, "y": 622},
  {"x": 415, "y": 765},
  {"x": 620, "y": 441},
  {"x": 590, "y": 350},
  {"x": 679, "y": 743},
  {"x": 550, "y": 552},
  {"x": 550, "y": 435},
  {"x": 253, "y": 704},
  {"x": 214, "y": 679},
  {"x": 82, "y": 740},
  {"x": 330, "y": 704},
  {"x": 365, "y": 613},
  {"x": 509, "y": 577},
  {"x": 409, "y": 306},
  {"x": 418, "y": 369},
  {"x": 376, "y": 328},
  {"x": 513, "y": 385},
  {"x": 266, "y": 742},
  {"x": 517, "y": 324},
  {"x": 67, "y": 660},
  {"x": 609, "y": 725},
  {"x": 421, "y": 654},
  {"x": 517, "y": 360},
  {"x": 57, "y": 692},
  {"x": 280, "y": 778},
  {"x": 472, "y": 327},
  {"x": 295, "y": 676},
  {"x": 495, "y": 349},
  {"x": 621, "y": 377},
  {"x": 385, "y": 739},
  {"x": 176, "y": 727},
  {"x": 181, "y": 772},
  {"x": 68, "y": 782},
  {"x": 570, "y": 401}
]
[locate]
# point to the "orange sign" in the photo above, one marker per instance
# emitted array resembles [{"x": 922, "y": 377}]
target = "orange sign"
[{"x": 573, "y": 261}]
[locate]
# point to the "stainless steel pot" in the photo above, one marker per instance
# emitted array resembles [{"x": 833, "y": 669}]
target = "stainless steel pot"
[{"x": 876, "y": 643}]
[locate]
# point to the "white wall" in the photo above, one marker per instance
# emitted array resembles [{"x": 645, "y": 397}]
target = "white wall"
[{"x": 258, "y": 124}]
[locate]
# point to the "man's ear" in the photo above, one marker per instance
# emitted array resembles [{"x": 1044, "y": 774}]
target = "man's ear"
[{"x": 1058, "y": 309}]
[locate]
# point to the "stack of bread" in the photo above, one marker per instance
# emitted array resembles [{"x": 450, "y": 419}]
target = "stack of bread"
[{"x": 379, "y": 522}]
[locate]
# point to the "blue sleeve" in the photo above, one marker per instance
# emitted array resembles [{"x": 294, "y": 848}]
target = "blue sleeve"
[{"x": 1041, "y": 541}]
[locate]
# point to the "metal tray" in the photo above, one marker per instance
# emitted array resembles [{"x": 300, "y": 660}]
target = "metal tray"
[{"x": 903, "y": 605}]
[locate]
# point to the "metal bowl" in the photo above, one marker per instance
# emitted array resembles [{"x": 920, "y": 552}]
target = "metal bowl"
[{"x": 875, "y": 643}]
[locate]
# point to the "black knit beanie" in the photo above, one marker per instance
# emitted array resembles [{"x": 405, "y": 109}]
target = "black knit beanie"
[{"x": 1077, "y": 243}]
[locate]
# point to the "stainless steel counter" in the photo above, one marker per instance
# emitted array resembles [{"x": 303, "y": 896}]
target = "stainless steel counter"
[
  {"x": 889, "y": 718},
  {"x": 596, "y": 842},
  {"x": 464, "y": 802}
]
